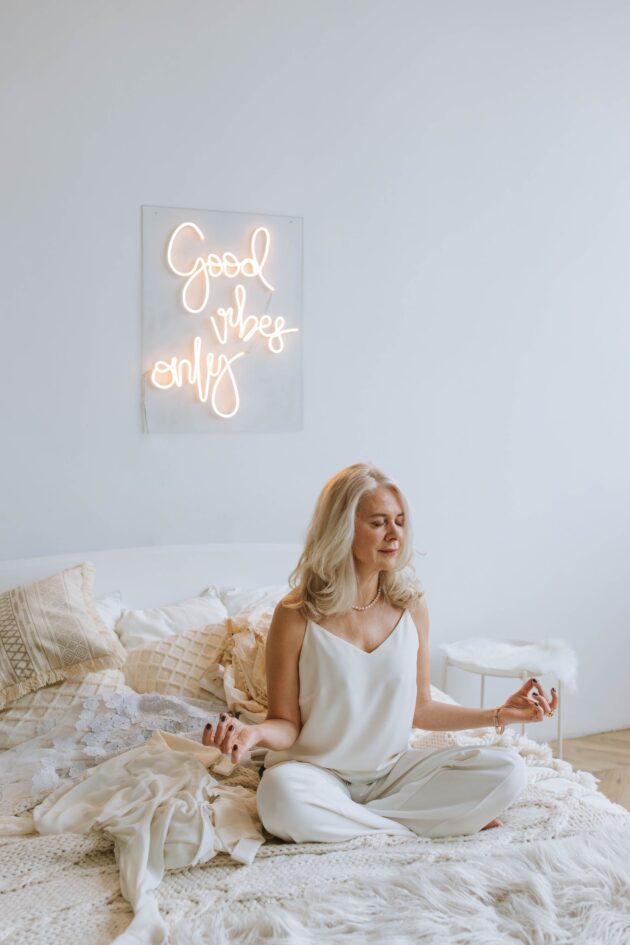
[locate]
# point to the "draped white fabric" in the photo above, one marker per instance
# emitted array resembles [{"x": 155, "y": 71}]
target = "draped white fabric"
[{"x": 164, "y": 810}]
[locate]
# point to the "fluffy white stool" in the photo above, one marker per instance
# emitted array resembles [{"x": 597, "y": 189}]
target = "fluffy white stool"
[{"x": 515, "y": 658}]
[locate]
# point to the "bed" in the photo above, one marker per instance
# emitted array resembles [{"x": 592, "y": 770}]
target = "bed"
[{"x": 556, "y": 872}]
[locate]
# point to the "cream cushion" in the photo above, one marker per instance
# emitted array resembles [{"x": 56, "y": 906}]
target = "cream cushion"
[
  {"x": 237, "y": 673},
  {"x": 50, "y": 630},
  {"x": 174, "y": 666},
  {"x": 139, "y": 628},
  {"x": 110, "y": 609},
  {"x": 251, "y": 601},
  {"x": 33, "y": 713},
  {"x": 36, "y": 712}
]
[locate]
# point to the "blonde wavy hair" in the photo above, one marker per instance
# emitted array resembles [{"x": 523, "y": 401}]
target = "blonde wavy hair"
[{"x": 324, "y": 580}]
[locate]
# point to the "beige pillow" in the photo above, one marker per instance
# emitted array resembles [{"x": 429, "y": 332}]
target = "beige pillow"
[
  {"x": 237, "y": 674},
  {"x": 174, "y": 666},
  {"x": 50, "y": 630},
  {"x": 36, "y": 712}
]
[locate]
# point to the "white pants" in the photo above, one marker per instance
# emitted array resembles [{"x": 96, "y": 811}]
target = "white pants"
[{"x": 429, "y": 792}]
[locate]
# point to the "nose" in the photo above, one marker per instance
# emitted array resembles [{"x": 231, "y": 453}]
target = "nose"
[{"x": 393, "y": 532}]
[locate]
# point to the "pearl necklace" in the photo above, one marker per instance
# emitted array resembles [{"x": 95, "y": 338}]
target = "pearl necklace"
[{"x": 372, "y": 602}]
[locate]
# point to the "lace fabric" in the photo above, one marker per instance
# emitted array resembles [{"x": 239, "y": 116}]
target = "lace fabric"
[{"x": 93, "y": 731}]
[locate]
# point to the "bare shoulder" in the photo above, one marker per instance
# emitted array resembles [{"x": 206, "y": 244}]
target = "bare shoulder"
[
  {"x": 420, "y": 614},
  {"x": 288, "y": 626}
]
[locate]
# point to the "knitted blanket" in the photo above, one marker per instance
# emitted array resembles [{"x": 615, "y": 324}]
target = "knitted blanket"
[{"x": 555, "y": 872}]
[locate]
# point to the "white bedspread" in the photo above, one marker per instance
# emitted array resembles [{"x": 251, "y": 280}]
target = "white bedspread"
[{"x": 556, "y": 871}]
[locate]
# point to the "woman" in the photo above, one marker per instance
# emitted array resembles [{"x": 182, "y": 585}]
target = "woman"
[{"x": 347, "y": 662}]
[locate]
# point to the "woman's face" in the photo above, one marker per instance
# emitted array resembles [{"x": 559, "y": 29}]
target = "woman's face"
[{"x": 378, "y": 530}]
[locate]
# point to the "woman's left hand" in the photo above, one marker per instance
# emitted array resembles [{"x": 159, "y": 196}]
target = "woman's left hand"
[{"x": 528, "y": 704}]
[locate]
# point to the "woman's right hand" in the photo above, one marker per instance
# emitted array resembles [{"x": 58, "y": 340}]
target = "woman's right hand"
[
  {"x": 233, "y": 737},
  {"x": 528, "y": 704}
]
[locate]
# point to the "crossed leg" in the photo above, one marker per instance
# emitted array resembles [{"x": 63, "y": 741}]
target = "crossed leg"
[{"x": 431, "y": 793}]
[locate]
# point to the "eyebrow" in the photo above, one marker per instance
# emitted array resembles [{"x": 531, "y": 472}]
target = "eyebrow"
[{"x": 383, "y": 515}]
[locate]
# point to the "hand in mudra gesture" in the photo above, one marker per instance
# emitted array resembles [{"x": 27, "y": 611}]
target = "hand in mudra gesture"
[
  {"x": 234, "y": 738},
  {"x": 528, "y": 704}
]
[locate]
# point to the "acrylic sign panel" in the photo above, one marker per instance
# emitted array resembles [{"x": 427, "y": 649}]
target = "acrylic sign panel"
[{"x": 222, "y": 321}]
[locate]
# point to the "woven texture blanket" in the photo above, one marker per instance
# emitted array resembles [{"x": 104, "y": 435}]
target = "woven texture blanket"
[{"x": 555, "y": 872}]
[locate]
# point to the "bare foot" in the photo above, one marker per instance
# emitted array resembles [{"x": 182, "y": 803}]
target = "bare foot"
[{"x": 497, "y": 822}]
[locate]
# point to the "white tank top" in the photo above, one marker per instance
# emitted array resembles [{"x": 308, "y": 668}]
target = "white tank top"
[{"x": 357, "y": 708}]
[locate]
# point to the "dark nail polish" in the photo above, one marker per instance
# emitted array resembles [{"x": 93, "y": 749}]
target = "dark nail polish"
[
  {"x": 552, "y": 689},
  {"x": 208, "y": 726},
  {"x": 230, "y": 727},
  {"x": 234, "y": 747},
  {"x": 223, "y": 716}
]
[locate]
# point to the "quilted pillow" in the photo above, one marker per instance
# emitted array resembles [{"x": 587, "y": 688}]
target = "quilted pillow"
[
  {"x": 174, "y": 666},
  {"x": 36, "y": 712},
  {"x": 50, "y": 630}
]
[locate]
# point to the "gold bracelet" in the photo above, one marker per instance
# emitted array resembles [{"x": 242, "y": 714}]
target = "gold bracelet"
[{"x": 499, "y": 729}]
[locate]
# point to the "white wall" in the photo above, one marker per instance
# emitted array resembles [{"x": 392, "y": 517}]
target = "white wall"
[{"x": 462, "y": 169}]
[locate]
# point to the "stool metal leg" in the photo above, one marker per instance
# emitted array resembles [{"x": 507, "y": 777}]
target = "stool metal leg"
[
  {"x": 445, "y": 677},
  {"x": 559, "y": 711}
]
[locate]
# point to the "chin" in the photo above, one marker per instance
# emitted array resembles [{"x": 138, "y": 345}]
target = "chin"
[{"x": 389, "y": 564}]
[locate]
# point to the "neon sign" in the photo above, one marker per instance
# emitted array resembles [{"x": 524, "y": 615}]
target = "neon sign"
[{"x": 211, "y": 372}]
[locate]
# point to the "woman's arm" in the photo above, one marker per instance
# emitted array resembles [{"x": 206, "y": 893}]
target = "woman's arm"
[
  {"x": 443, "y": 717},
  {"x": 275, "y": 733},
  {"x": 438, "y": 716},
  {"x": 282, "y": 652}
]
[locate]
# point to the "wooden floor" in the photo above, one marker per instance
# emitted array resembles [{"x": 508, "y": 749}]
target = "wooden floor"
[{"x": 607, "y": 756}]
